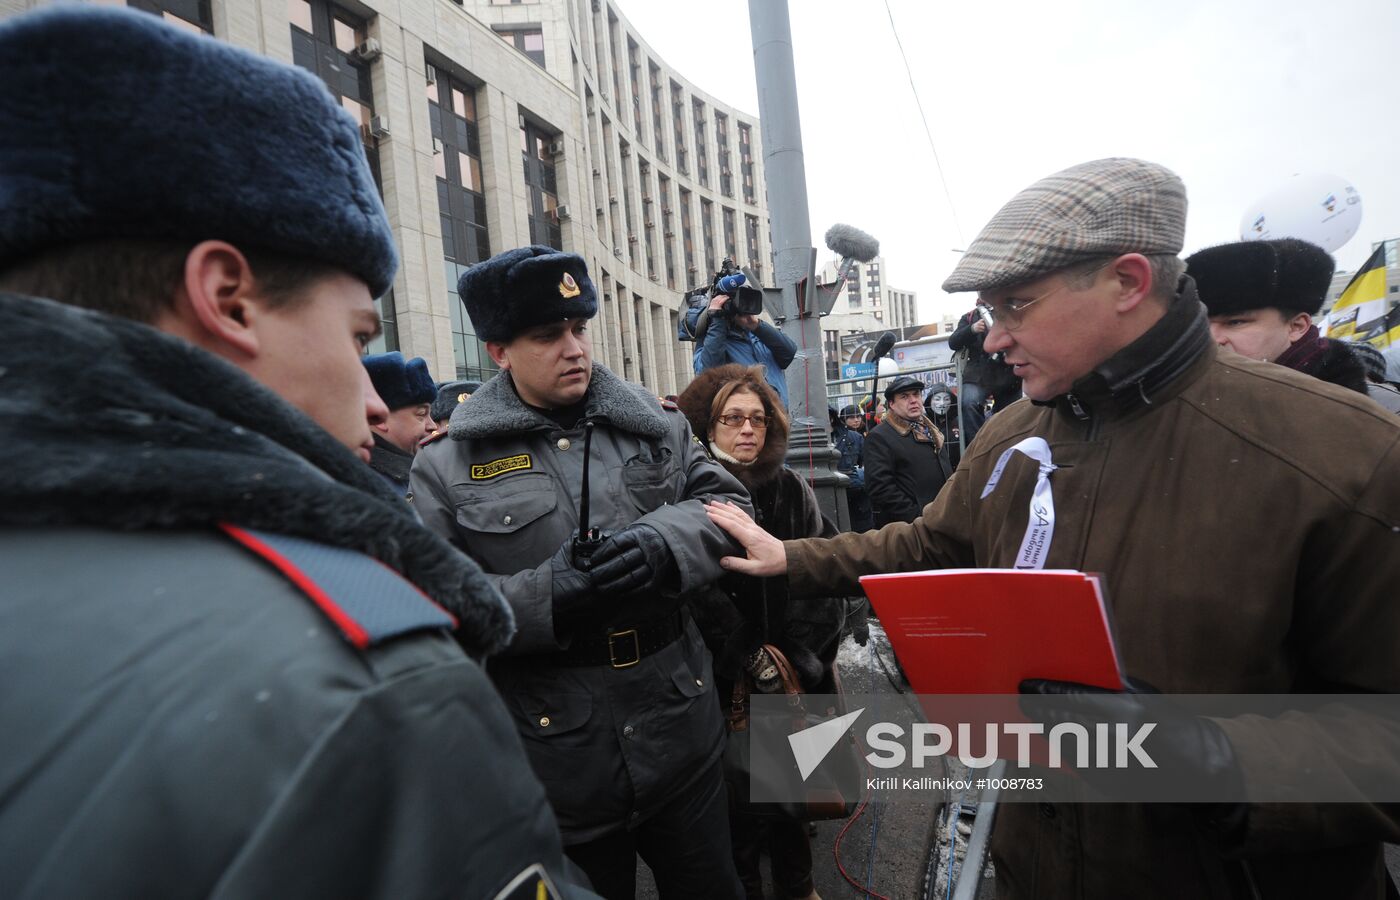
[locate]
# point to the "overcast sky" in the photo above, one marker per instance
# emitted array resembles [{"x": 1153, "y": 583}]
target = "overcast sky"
[{"x": 1236, "y": 96}]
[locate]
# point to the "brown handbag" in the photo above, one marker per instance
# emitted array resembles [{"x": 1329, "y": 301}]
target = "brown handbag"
[{"x": 831, "y": 792}]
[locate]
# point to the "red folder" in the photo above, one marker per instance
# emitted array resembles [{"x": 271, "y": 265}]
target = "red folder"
[{"x": 981, "y": 631}]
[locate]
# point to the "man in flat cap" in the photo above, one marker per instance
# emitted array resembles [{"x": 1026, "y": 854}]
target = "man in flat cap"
[
  {"x": 1245, "y": 520},
  {"x": 1261, "y": 297},
  {"x": 408, "y": 391},
  {"x": 906, "y": 464},
  {"x": 223, "y": 672},
  {"x": 607, "y": 677}
]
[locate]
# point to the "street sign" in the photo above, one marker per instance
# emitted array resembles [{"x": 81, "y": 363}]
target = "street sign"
[{"x": 857, "y": 370}]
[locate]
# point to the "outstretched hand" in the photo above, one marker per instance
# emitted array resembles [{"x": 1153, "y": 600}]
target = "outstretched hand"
[{"x": 766, "y": 555}]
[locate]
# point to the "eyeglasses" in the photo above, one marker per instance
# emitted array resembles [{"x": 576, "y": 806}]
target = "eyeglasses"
[
  {"x": 758, "y": 420},
  {"x": 1011, "y": 312}
]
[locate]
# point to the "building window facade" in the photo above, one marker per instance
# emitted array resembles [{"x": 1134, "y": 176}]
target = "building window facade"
[
  {"x": 541, "y": 185},
  {"x": 192, "y": 15},
  {"x": 707, "y": 229},
  {"x": 461, "y": 207},
  {"x": 746, "y": 163},
  {"x": 324, "y": 41},
  {"x": 702, "y": 166},
  {"x": 529, "y": 41},
  {"x": 688, "y": 239},
  {"x": 678, "y": 124},
  {"x": 668, "y": 226},
  {"x": 726, "y": 174},
  {"x": 657, "y": 120},
  {"x": 751, "y": 245}
]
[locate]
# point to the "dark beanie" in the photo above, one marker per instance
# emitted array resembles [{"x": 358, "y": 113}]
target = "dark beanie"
[
  {"x": 1289, "y": 275},
  {"x": 114, "y": 123},
  {"x": 525, "y": 287},
  {"x": 400, "y": 382},
  {"x": 451, "y": 393}
]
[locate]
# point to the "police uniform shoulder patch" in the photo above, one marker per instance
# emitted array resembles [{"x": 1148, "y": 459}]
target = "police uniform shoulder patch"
[
  {"x": 670, "y": 405},
  {"x": 498, "y": 467},
  {"x": 532, "y": 884},
  {"x": 440, "y": 433}
]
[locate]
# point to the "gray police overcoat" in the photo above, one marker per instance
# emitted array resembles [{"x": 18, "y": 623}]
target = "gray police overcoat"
[{"x": 611, "y": 745}]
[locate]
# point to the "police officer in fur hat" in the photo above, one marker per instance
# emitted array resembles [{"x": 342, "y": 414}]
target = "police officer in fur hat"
[
  {"x": 223, "y": 675},
  {"x": 608, "y": 679},
  {"x": 408, "y": 391},
  {"x": 1261, "y": 297}
]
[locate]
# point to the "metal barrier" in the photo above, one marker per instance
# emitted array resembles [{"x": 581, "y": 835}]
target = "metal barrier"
[{"x": 948, "y": 373}]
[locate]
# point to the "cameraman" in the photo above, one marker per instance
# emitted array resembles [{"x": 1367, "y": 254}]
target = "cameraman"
[
  {"x": 723, "y": 337},
  {"x": 984, "y": 375}
]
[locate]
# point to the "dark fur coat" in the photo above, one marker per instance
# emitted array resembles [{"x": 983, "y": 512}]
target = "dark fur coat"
[
  {"x": 739, "y": 613},
  {"x": 109, "y": 423}
]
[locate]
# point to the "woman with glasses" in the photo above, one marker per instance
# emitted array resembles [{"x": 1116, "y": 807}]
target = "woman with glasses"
[{"x": 734, "y": 412}]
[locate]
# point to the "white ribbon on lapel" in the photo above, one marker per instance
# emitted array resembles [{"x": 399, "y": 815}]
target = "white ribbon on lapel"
[{"x": 1040, "y": 528}]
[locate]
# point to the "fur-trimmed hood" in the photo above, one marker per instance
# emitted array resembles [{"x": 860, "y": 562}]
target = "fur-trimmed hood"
[
  {"x": 110, "y": 423},
  {"x": 497, "y": 409},
  {"x": 695, "y": 402}
]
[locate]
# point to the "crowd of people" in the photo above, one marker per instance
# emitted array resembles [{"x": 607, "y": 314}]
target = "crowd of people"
[{"x": 288, "y": 620}]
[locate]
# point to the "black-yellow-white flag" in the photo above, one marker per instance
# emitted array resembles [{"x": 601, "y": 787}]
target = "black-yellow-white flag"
[{"x": 1362, "y": 313}]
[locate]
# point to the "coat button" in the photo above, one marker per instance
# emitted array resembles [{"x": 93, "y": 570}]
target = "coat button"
[
  {"x": 562, "y": 443},
  {"x": 627, "y": 730},
  {"x": 506, "y": 520},
  {"x": 544, "y": 721},
  {"x": 699, "y": 682}
]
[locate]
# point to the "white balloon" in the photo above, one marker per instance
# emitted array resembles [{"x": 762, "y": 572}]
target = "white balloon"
[
  {"x": 887, "y": 366},
  {"x": 1321, "y": 209}
]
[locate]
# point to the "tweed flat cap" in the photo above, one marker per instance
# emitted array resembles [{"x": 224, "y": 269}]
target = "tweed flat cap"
[
  {"x": 525, "y": 287},
  {"x": 116, "y": 124},
  {"x": 1284, "y": 274},
  {"x": 1094, "y": 209}
]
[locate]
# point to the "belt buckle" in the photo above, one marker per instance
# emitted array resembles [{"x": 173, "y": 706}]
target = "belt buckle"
[{"x": 636, "y": 649}]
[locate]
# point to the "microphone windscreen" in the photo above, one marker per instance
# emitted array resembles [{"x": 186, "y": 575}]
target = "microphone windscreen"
[
  {"x": 885, "y": 344},
  {"x": 851, "y": 243}
]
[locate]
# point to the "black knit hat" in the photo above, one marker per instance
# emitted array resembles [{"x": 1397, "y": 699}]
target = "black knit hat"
[
  {"x": 1289, "y": 275},
  {"x": 901, "y": 384},
  {"x": 522, "y": 288}
]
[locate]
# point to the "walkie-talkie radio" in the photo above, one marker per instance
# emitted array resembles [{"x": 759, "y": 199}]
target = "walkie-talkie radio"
[{"x": 588, "y": 538}]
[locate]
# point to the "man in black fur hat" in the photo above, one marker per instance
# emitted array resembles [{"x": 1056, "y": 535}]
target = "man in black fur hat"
[
  {"x": 408, "y": 391},
  {"x": 608, "y": 678},
  {"x": 223, "y": 672},
  {"x": 1261, "y": 297}
]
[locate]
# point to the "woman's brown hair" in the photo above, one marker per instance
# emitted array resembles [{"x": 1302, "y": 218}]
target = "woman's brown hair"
[{"x": 753, "y": 380}]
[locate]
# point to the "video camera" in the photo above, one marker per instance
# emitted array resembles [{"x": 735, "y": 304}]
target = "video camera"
[{"x": 730, "y": 280}]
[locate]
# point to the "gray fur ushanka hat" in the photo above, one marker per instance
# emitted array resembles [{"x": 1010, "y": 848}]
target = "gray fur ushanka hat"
[{"x": 116, "y": 124}]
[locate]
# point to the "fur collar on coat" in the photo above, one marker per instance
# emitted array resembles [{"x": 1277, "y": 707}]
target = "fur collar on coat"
[
  {"x": 497, "y": 409},
  {"x": 110, "y": 423}
]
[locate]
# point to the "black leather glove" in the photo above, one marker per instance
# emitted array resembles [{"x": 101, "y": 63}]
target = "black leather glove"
[
  {"x": 572, "y": 592},
  {"x": 634, "y": 560},
  {"x": 1184, "y": 745}
]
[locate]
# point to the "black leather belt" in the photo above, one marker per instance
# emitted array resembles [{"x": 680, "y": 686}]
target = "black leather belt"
[{"x": 622, "y": 648}]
